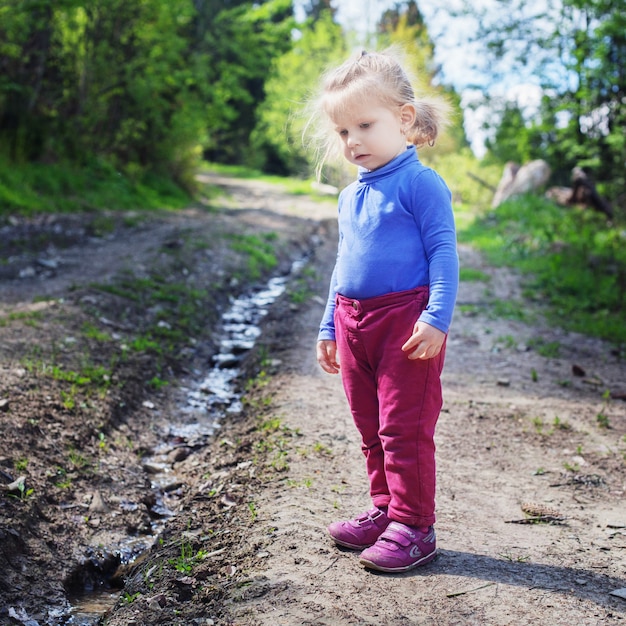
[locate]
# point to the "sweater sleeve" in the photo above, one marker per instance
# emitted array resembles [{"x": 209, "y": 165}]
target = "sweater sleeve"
[
  {"x": 436, "y": 222},
  {"x": 327, "y": 325}
]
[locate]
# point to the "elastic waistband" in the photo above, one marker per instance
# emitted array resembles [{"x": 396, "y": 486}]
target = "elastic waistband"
[{"x": 388, "y": 299}]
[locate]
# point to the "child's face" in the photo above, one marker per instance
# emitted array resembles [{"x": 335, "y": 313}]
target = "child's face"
[{"x": 371, "y": 134}]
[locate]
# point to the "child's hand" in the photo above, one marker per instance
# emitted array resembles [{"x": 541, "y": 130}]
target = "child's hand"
[
  {"x": 327, "y": 356},
  {"x": 426, "y": 341}
]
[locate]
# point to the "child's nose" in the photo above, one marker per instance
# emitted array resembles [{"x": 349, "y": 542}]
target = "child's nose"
[{"x": 353, "y": 141}]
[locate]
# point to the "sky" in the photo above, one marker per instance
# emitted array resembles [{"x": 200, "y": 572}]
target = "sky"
[{"x": 454, "y": 53}]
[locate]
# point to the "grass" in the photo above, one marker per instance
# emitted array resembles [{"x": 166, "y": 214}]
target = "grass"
[
  {"x": 258, "y": 250},
  {"x": 292, "y": 185},
  {"x": 470, "y": 274},
  {"x": 571, "y": 260},
  {"x": 181, "y": 311},
  {"x": 37, "y": 188}
]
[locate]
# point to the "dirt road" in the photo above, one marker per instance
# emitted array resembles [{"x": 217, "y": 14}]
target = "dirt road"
[
  {"x": 517, "y": 428},
  {"x": 528, "y": 428}
]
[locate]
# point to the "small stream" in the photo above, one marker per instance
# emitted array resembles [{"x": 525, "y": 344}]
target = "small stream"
[{"x": 206, "y": 398}]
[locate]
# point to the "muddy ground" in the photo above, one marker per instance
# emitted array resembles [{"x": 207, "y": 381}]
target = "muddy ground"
[{"x": 533, "y": 426}]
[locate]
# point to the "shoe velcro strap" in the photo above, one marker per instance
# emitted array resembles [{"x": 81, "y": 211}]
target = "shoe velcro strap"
[
  {"x": 375, "y": 514},
  {"x": 399, "y": 534}
]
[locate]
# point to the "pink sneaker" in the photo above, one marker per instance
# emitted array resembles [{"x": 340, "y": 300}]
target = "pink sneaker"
[
  {"x": 400, "y": 548},
  {"x": 361, "y": 532}
]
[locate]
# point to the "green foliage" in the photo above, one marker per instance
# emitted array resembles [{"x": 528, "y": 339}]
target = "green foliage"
[
  {"x": 277, "y": 145},
  {"x": 575, "y": 50},
  {"x": 180, "y": 312},
  {"x": 242, "y": 43},
  {"x": 258, "y": 250},
  {"x": 189, "y": 557},
  {"x": 571, "y": 259},
  {"x": 142, "y": 85},
  {"x": 28, "y": 189},
  {"x": 512, "y": 139},
  {"x": 471, "y": 182}
]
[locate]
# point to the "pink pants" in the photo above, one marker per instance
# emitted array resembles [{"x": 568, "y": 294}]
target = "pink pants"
[{"x": 395, "y": 401}]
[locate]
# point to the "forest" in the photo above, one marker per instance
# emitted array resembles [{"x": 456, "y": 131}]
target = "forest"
[{"x": 113, "y": 105}]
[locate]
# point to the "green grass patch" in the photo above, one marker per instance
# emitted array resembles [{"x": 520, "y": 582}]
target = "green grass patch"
[
  {"x": 29, "y": 318},
  {"x": 294, "y": 186},
  {"x": 180, "y": 311},
  {"x": 472, "y": 275},
  {"x": 571, "y": 260},
  {"x": 65, "y": 188},
  {"x": 259, "y": 251}
]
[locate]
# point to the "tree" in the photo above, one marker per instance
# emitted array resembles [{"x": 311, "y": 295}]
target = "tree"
[
  {"x": 575, "y": 50},
  {"x": 241, "y": 46},
  {"x": 141, "y": 85},
  {"x": 404, "y": 25},
  {"x": 511, "y": 138},
  {"x": 277, "y": 138}
]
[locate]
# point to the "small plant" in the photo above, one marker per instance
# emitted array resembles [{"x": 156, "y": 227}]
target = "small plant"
[
  {"x": 272, "y": 425},
  {"x": 129, "y": 598},
  {"x": 514, "y": 559},
  {"x": 508, "y": 309},
  {"x": 560, "y": 425},
  {"x": 279, "y": 462},
  {"x": 538, "y": 424},
  {"x": 77, "y": 460},
  {"x": 157, "y": 383},
  {"x": 253, "y": 510},
  {"x": 571, "y": 467},
  {"x": 20, "y": 465},
  {"x": 187, "y": 559},
  {"x": 548, "y": 349},
  {"x": 92, "y": 332},
  {"x": 533, "y": 375},
  {"x": 603, "y": 420},
  {"x": 24, "y": 493},
  {"x": 508, "y": 341},
  {"x": 258, "y": 382},
  {"x": 68, "y": 398},
  {"x": 320, "y": 448},
  {"x": 63, "y": 482}
]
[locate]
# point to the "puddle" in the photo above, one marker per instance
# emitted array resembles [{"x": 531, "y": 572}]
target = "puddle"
[
  {"x": 206, "y": 398},
  {"x": 88, "y": 610}
]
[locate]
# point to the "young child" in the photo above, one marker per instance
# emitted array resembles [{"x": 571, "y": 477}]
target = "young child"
[{"x": 391, "y": 299}]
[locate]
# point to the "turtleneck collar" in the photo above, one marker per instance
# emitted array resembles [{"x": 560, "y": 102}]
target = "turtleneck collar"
[{"x": 365, "y": 176}]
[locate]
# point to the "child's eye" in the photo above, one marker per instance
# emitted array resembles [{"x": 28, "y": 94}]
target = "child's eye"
[
  {"x": 365, "y": 125},
  {"x": 343, "y": 132}
]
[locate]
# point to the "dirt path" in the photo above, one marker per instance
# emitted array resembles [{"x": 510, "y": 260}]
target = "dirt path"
[{"x": 517, "y": 428}]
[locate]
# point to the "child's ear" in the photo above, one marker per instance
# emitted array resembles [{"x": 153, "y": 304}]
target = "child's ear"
[{"x": 407, "y": 115}]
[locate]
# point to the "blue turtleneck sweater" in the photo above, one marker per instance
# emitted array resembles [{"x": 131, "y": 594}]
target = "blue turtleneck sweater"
[{"x": 396, "y": 232}]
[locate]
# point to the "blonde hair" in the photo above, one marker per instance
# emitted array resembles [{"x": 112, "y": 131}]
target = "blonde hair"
[{"x": 373, "y": 76}]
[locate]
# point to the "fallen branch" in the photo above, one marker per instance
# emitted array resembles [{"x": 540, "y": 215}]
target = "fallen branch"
[
  {"x": 481, "y": 182},
  {"x": 549, "y": 519}
]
